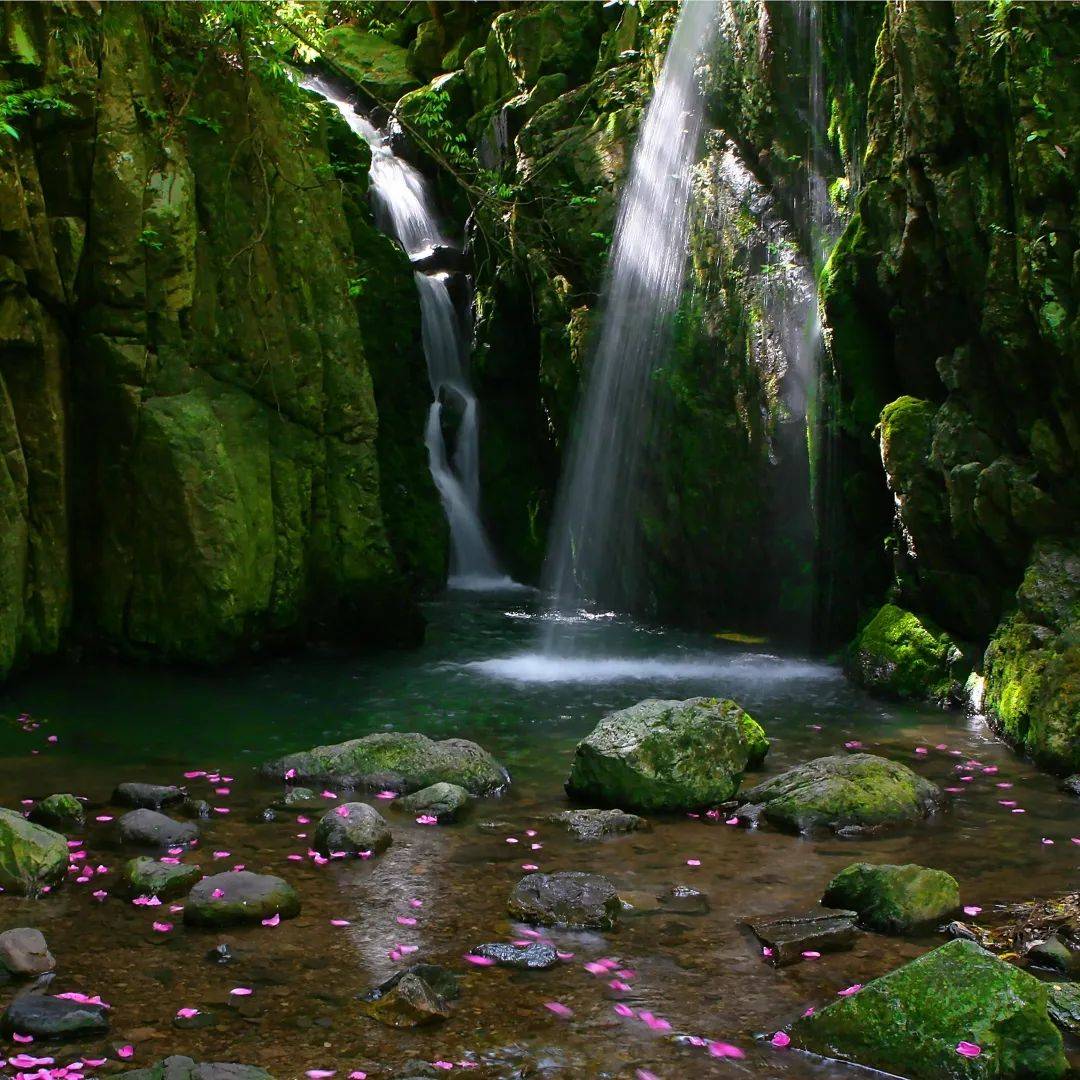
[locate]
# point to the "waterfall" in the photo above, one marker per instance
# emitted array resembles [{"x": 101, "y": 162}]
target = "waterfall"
[
  {"x": 594, "y": 542},
  {"x": 404, "y": 210}
]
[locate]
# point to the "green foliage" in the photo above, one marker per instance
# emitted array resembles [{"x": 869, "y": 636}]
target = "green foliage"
[
  {"x": 151, "y": 238},
  {"x": 18, "y": 101}
]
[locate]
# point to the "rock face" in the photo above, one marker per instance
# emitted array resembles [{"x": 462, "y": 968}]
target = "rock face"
[
  {"x": 444, "y": 801},
  {"x": 899, "y": 655},
  {"x": 184, "y": 1068},
  {"x": 53, "y": 1018},
  {"x": 25, "y": 952},
  {"x": 409, "y": 1002},
  {"x": 894, "y": 899},
  {"x": 852, "y": 793},
  {"x": 239, "y": 896},
  {"x": 788, "y": 937},
  {"x": 667, "y": 755},
  {"x": 31, "y": 857},
  {"x": 404, "y": 762},
  {"x": 911, "y": 1021},
  {"x": 147, "y": 796},
  {"x": 148, "y": 877},
  {"x": 596, "y": 824},
  {"x": 571, "y": 899},
  {"x": 151, "y": 829},
  {"x": 59, "y": 812},
  {"x": 352, "y": 827}
]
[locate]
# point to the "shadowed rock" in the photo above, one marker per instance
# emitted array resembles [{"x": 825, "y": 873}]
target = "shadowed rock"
[
  {"x": 240, "y": 896},
  {"x": 571, "y": 899},
  {"x": 151, "y": 829},
  {"x": 820, "y": 930}
]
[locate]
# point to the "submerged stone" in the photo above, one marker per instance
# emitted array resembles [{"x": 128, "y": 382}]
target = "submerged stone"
[
  {"x": 299, "y": 800},
  {"x": 53, "y": 1018},
  {"x": 59, "y": 812},
  {"x": 31, "y": 856},
  {"x": 685, "y": 900},
  {"x": 239, "y": 896},
  {"x": 400, "y": 761},
  {"x": 352, "y": 827},
  {"x": 151, "y": 829},
  {"x": 148, "y": 877},
  {"x": 848, "y": 793},
  {"x": 1063, "y": 1005},
  {"x": 185, "y": 1068},
  {"x": 1055, "y": 954},
  {"x": 147, "y": 796},
  {"x": 408, "y": 1002},
  {"x": 667, "y": 755},
  {"x": 894, "y": 899},
  {"x": 789, "y": 936},
  {"x": 596, "y": 824},
  {"x": 24, "y": 952},
  {"x": 570, "y": 899},
  {"x": 911, "y": 1021},
  {"x": 535, "y": 956},
  {"x": 442, "y": 800}
]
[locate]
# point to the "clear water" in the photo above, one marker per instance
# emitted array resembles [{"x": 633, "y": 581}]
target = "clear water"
[{"x": 480, "y": 675}]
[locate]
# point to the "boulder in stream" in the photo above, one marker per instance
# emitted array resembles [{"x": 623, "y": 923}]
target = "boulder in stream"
[
  {"x": 185, "y": 1068},
  {"x": 894, "y": 899},
  {"x": 406, "y": 1001},
  {"x": 443, "y": 801},
  {"x": 535, "y": 956},
  {"x": 147, "y": 796},
  {"x": 787, "y": 937},
  {"x": 571, "y": 899},
  {"x": 31, "y": 856},
  {"x": 61, "y": 811},
  {"x": 847, "y": 793},
  {"x": 25, "y": 953},
  {"x": 955, "y": 1012},
  {"x": 148, "y": 877},
  {"x": 596, "y": 824},
  {"x": 239, "y": 896},
  {"x": 151, "y": 829},
  {"x": 399, "y": 761},
  {"x": 352, "y": 827},
  {"x": 53, "y": 1018},
  {"x": 667, "y": 755}
]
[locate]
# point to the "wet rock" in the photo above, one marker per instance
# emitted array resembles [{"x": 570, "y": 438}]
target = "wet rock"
[
  {"x": 443, "y": 801},
  {"x": 571, "y": 899},
  {"x": 352, "y": 827},
  {"x": 185, "y": 1068},
  {"x": 443, "y": 981},
  {"x": 1071, "y": 785},
  {"x": 667, "y": 755},
  {"x": 847, "y": 793},
  {"x": 148, "y": 877},
  {"x": 911, "y": 1021},
  {"x": 789, "y": 936},
  {"x": 196, "y": 808},
  {"x": 24, "y": 952},
  {"x": 199, "y": 1020},
  {"x": 151, "y": 829},
  {"x": 636, "y": 903},
  {"x": 409, "y": 1002},
  {"x": 31, "y": 856},
  {"x": 1055, "y": 954},
  {"x": 1063, "y": 1005},
  {"x": 685, "y": 900},
  {"x": 59, "y": 812},
  {"x": 894, "y": 899},
  {"x": 398, "y": 761},
  {"x": 299, "y": 800},
  {"x": 596, "y": 824},
  {"x": 220, "y": 954},
  {"x": 147, "y": 796},
  {"x": 51, "y": 1018},
  {"x": 239, "y": 896},
  {"x": 535, "y": 956},
  {"x": 957, "y": 929}
]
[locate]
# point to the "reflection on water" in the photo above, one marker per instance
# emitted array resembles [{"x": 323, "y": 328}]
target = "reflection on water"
[{"x": 479, "y": 676}]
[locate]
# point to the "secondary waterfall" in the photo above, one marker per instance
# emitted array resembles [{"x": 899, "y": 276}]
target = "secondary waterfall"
[
  {"x": 594, "y": 544},
  {"x": 404, "y": 210}
]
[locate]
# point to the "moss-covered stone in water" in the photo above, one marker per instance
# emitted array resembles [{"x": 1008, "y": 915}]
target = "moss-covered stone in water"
[
  {"x": 185, "y": 1068},
  {"x": 667, "y": 755},
  {"x": 911, "y": 1021},
  {"x": 149, "y": 877},
  {"x": 31, "y": 857},
  {"x": 899, "y": 655},
  {"x": 850, "y": 792},
  {"x": 59, "y": 812},
  {"x": 894, "y": 899}
]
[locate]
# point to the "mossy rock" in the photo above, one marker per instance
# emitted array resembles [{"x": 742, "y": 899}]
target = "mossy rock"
[
  {"x": 444, "y": 801},
  {"x": 910, "y": 1022},
  {"x": 667, "y": 755},
  {"x": 899, "y": 655},
  {"x": 59, "y": 812},
  {"x": 31, "y": 856},
  {"x": 178, "y": 1067},
  {"x": 848, "y": 793},
  {"x": 373, "y": 63},
  {"x": 399, "y": 761},
  {"x": 352, "y": 828},
  {"x": 239, "y": 896},
  {"x": 894, "y": 899},
  {"x": 148, "y": 877}
]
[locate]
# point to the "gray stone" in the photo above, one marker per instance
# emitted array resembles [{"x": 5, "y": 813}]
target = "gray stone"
[
  {"x": 24, "y": 951},
  {"x": 571, "y": 899},
  {"x": 151, "y": 829},
  {"x": 596, "y": 824},
  {"x": 820, "y": 930},
  {"x": 685, "y": 900},
  {"x": 53, "y": 1018},
  {"x": 147, "y": 796},
  {"x": 443, "y": 801},
  {"x": 1071, "y": 784},
  {"x": 1055, "y": 954},
  {"x": 239, "y": 896},
  {"x": 410, "y": 1002},
  {"x": 185, "y": 1068},
  {"x": 352, "y": 827},
  {"x": 536, "y": 956}
]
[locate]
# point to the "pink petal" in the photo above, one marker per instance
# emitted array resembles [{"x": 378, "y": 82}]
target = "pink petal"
[
  {"x": 386, "y": 795},
  {"x": 624, "y": 1010},
  {"x": 480, "y": 961},
  {"x": 427, "y": 819},
  {"x": 163, "y": 927},
  {"x": 726, "y": 1050},
  {"x": 22, "y": 1038},
  {"x": 319, "y": 1074},
  {"x": 241, "y": 991},
  {"x": 406, "y": 920},
  {"x": 341, "y": 811},
  {"x": 340, "y": 922},
  {"x": 272, "y": 921},
  {"x": 849, "y": 990},
  {"x": 559, "y": 1009},
  {"x": 972, "y": 909},
  {"x": 810, "y": 954},
  {"x": 125, "y": 1052},
  {"x": 328, "y": 795},
  {"x": 187, "y": 1013},
  {"x": 693, "y": 862},
  {"x": 968, "y": 1049},
  {"x": 781, "y": 1039}
]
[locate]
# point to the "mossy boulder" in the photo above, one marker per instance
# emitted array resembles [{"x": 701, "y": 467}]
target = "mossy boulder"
[
  {"x": 911, "y": 1021},
  {"x": 849, "y": 793},
  {"x": 399, "y": 761},
  {"x": 667, "y": 755},
  {"x": 31, "y": 856},
  {"x": 444, "y": 801},
  {"x": 376, "y": 65},
  {"x": 900, "y": 655},
  {"x": 239, "y": 896},
  {"x": 571, "y": 899},
  {"x": 352, "y": 827},
  {"x": 185, "y": 1068},
  {"x": 148, "y": 877},
  {"x": 894, "y": 899},
  {"x": 59, "y": 812}
]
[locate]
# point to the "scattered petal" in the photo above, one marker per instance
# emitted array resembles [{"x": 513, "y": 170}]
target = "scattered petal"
[
  {"x": 968, "y": 1049},
  {"x": 559, "y": 1009},
  {"x": 781, "y": 1038}
]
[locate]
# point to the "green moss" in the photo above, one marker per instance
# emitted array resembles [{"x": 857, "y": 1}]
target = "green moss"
[
  {"x": 147, "y": 877},
  {"x": 894, "y": 899},
  {"x": 62, "y": 812},
  {"x": 31, "y": 857},
  {"x": 375, "y": 64}
]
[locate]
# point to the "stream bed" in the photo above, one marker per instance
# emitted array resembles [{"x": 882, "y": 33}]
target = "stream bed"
[{"x": 443, "y": 889}]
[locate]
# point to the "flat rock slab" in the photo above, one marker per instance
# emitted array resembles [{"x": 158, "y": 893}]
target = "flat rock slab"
[
  {"x": 685, "y": 900},
  {"x": 24, "y": 952},
  {"x": 148, "y": 877},
  {"x": 571, "y": 899},
  {"x": 185, "y": 1068},
  {"x": 53, "y": 1018},
  {"x": 239, "y": 896},
  {"x": 849, "y": 793},
  {"x": 352, "y": 827},
  {"x": 443, "y": 801},
  {"x": 820, "y": 930},
  {"x": 147, "y": 796},
  {"x": 596, "y": 824},
  {"x": 151, "y": 829},
  {"x": 535, "y": 956},
  {"x": 31, "y": 856}
]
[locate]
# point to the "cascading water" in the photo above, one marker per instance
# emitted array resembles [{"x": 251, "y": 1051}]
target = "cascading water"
[{"x": 404, "y": 210}]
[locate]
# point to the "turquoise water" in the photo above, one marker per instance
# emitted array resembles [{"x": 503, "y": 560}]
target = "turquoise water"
[{"x": 480, "y": 675}]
